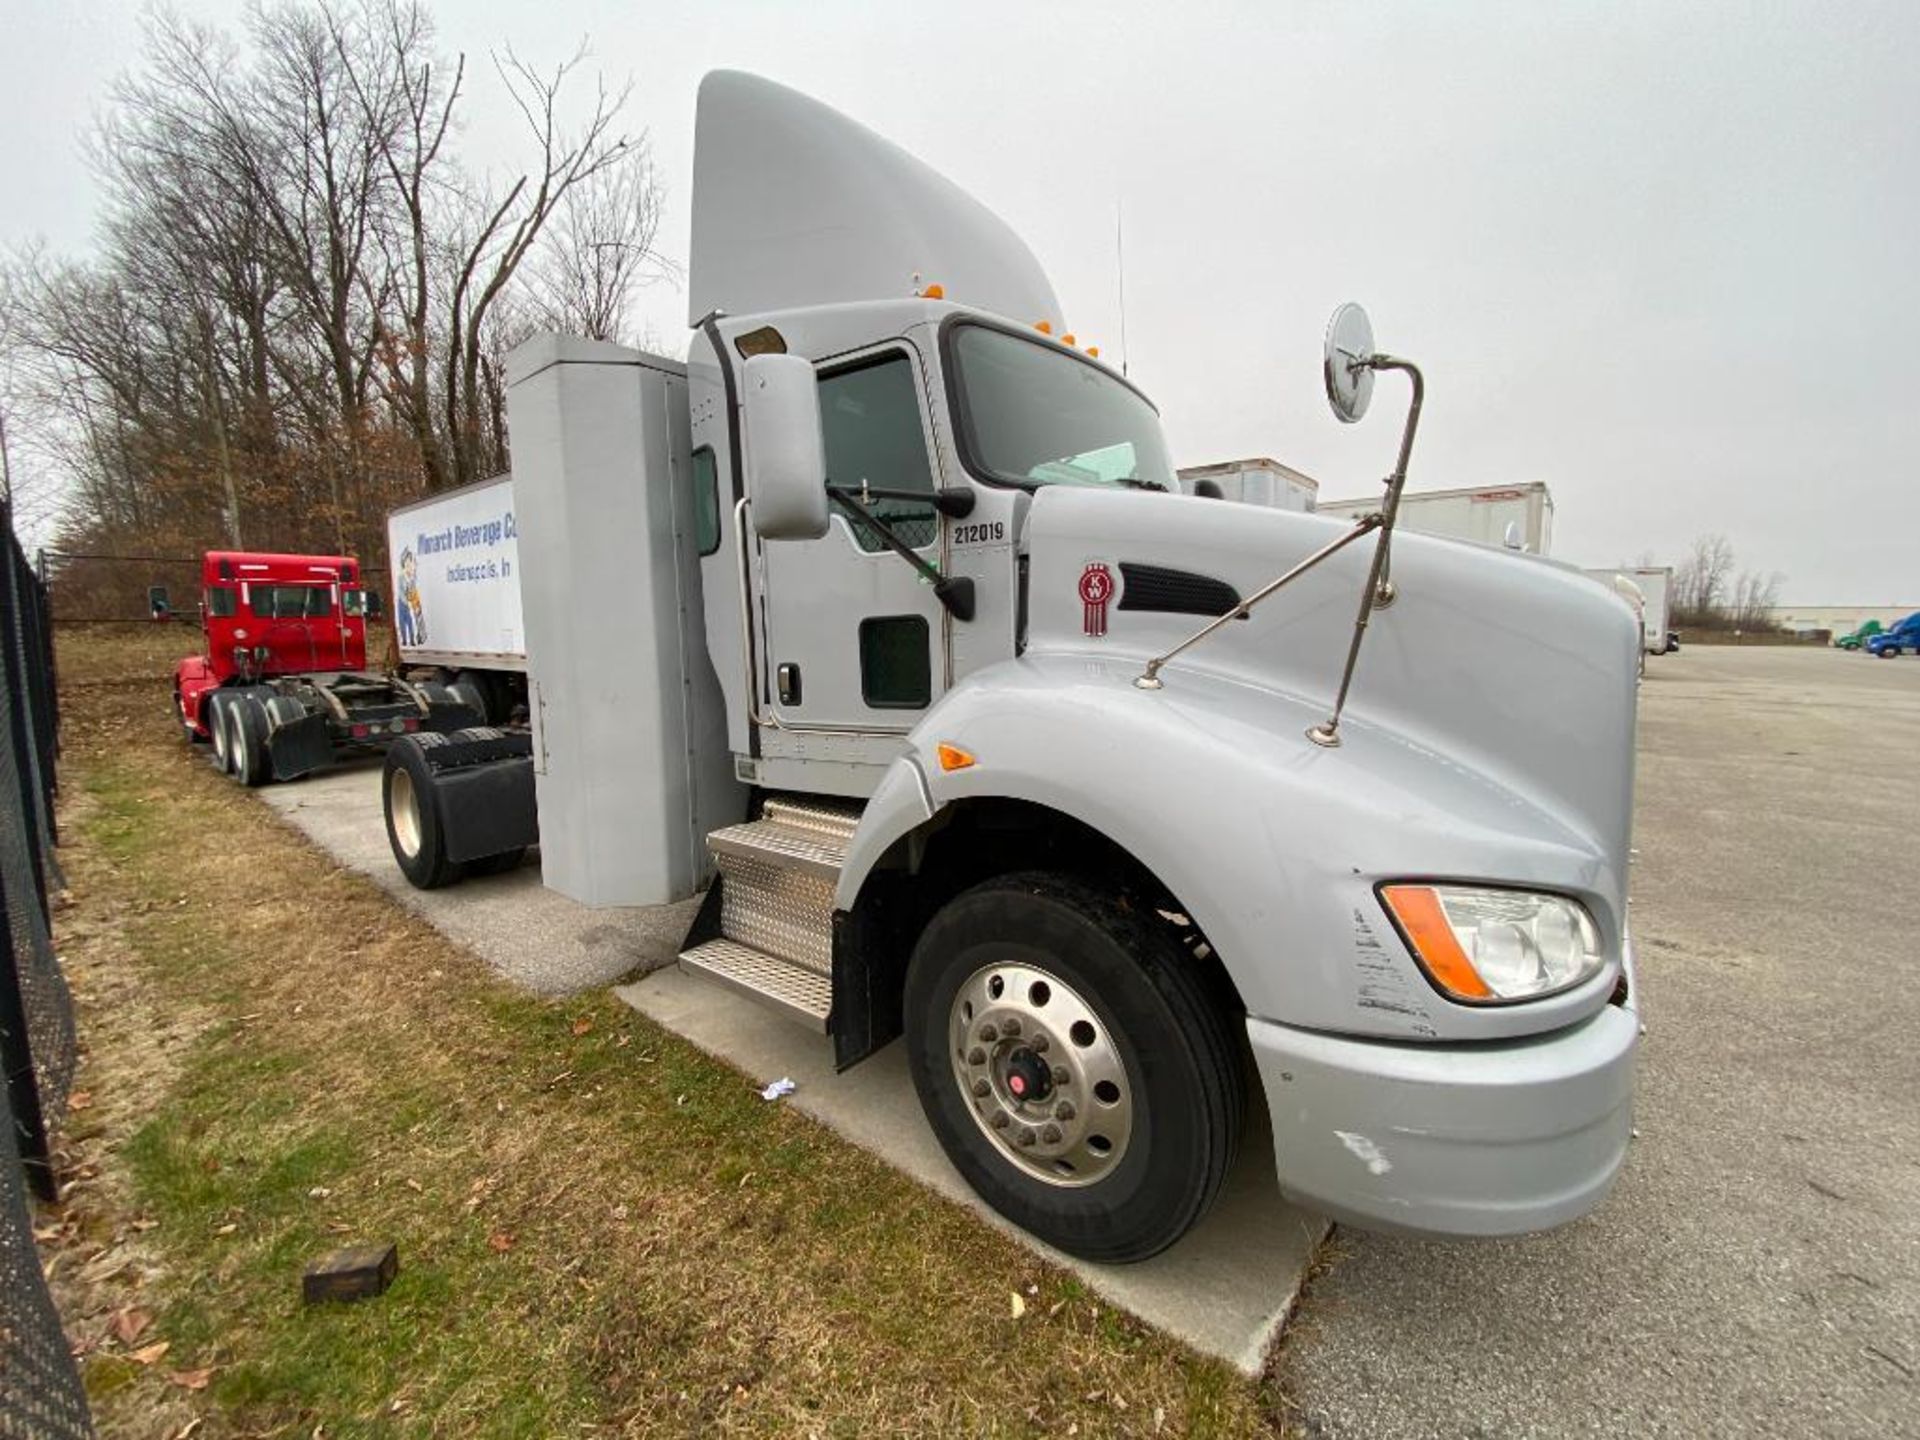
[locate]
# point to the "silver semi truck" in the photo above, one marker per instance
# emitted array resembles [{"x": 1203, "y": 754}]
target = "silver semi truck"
[{"x": 880, "y": 620}]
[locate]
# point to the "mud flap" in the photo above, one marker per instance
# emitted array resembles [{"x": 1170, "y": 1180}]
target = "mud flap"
[{"x": 299, "y": 747}]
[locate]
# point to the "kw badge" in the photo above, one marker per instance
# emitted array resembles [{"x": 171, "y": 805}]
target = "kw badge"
[{"x": 1096, "y": 589}]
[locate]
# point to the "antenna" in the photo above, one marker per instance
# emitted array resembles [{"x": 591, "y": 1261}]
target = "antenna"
[{"x": 1120, "y": 267}]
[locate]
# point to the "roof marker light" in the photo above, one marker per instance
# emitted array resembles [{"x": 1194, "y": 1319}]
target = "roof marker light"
[
  {"x": 1045, "y": 327},
  {"x": 952, "y": 757},
  {"x": 1093, "y": 351},
  {"x": 1068, "y": 339},
  {"x": 934, "y": 292}
]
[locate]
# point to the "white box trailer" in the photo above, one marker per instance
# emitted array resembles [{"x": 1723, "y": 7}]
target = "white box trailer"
[
  {"x": 1651, "y": 597},
  {"x": 873, "y": 619},
  {"x": 1481, "y": 514},
  {"x": 454, "y": 562},
  {"x": 1258, "y": 481}
]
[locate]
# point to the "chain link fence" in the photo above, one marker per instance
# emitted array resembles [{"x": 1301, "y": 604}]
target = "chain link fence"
[{"x": 40, "y": 1391}]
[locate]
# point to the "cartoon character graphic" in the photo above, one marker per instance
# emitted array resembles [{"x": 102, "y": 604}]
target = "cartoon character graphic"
[{"x": 412, "y": 618}]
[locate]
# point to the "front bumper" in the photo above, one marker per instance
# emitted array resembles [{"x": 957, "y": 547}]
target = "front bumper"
[{"x": 1495, "y": 1139}]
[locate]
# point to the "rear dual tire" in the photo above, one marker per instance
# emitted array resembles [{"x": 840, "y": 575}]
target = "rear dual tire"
[{"x": 414, "y": 829}]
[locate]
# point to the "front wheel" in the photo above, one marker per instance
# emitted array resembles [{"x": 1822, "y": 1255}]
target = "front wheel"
[{"x": 1074, "y": 1064}]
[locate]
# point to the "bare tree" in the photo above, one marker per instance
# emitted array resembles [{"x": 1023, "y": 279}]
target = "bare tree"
[
  {"x": 1701, "y": 581},
  {"x": 1754, "y": 596},
  {"x": 501, "y": 233},
  {"x": 601, "y": 251},
  {"x": 299, "y": 302}
]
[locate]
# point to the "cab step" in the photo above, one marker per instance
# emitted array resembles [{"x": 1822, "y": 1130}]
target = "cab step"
[
  {"x": 800, "y": 993},
  {"x": 777, "y": 877}
]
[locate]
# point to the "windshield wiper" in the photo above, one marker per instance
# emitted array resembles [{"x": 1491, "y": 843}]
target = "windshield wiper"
[{"x": 1134, "y": 482}]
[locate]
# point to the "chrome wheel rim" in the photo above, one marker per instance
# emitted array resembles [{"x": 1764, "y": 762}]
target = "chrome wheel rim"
[
  {"x": 404, "y": 803},
  {"x": 221, "y": 740},
  {"x": 1041, "y": 1074}
]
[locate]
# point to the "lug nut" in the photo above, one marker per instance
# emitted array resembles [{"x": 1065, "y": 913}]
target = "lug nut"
[
  {"x": 1009, "y": 1028},
  {"x": 1025, "y": 1138},
  {"x": 1038, "y": 1043},
  {"x": 1060, "y": 1076},
  {"x": 1051, "y": 1134},
  {"x": 1063, "y": 1111},
  {"x": 980, "y": 1087},
  {"x": 999, "y": 1121},
  {"x": 989, "y": 1031},
  {"x": 976, "y": 1056}
]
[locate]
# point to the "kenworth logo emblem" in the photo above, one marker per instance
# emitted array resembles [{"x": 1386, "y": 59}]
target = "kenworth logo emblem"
[{"x": 1096, "y": 589}]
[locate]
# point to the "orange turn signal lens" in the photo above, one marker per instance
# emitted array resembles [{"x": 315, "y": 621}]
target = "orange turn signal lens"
[
  {"x": 952, "y": 757},
  {"x": 934, "y": 292},
  {"x": 1093, "y": 351},
  {"x": 1067, "y": 339},
  {"x": 1429, "y": 932},
  {"x": 1045, "y": 327}
]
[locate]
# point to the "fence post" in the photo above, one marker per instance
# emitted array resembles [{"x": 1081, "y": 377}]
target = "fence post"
[{"x": 23, "y": 1085}]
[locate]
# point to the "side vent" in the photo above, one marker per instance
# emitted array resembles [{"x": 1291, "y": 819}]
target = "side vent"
[{"x": 1174, "y": 592}]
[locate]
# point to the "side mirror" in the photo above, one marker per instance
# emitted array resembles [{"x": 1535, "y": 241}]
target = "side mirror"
[
  {"x": 157, "y": 605},
  {"x": 786, "y": 459},
  {"x": 376, "y": 607}
]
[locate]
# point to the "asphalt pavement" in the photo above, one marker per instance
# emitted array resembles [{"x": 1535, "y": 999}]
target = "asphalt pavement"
[{"x": 1756, "y": 1271}]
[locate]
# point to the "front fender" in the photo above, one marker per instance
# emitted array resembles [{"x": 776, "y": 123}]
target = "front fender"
[{"x": 1270, "y": 843}]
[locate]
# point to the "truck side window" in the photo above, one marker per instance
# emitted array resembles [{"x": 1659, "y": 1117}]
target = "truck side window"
[
  {"x": 353, "y": 602},
  {"x": 221, "y": 601},
  {"x": 706, "y": 501},
  {"x": 870, "y": 422},
  {"x": 896, "y": 666}
]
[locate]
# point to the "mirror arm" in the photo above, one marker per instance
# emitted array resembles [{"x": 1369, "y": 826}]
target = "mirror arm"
[
  {"x": 1378, "y": 589},
  {"x": 1149, "y": 678},
  {"x": 954, "y": 592}
]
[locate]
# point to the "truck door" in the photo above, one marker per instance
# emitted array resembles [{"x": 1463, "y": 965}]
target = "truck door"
[{"x": 854, "y": 638}]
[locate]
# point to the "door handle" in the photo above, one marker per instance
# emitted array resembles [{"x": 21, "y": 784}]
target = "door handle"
[{"x": 787, "y": 678}]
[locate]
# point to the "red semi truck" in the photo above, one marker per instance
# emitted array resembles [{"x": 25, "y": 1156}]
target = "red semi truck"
[{"x": 283, "y": 688}]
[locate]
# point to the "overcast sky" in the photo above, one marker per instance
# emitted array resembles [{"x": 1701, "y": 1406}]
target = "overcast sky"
[{"x": 1665, "y": 258}]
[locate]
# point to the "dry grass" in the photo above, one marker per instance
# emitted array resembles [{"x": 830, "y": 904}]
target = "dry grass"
[{"x": 601, "y": 1230}]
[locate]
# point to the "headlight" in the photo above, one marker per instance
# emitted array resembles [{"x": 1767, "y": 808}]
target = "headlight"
[{"x": 1489, "y": 947}]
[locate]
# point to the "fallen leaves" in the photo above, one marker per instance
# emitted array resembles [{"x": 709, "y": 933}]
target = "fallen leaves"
[
  {"x": 1019, "y": 1305},
  {"x": 500, "y": 1241},
  {"x": 582, "y": 1025},
  {"x": 128, "y": 1324},
  {"x": 147, "y": 1354},
  {"x": 192, "y": 1379},
  {"x": 80, "y": 1100}
]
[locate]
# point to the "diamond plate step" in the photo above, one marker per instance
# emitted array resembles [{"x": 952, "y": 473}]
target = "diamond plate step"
[
  {"x": 813, "y": 849},
  {"x": 802, "y": 994}
]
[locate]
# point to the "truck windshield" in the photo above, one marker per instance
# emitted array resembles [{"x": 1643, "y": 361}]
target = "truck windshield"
[
  {"x": 1033, "y": 414},
  {"x": 290, "y": 602}
]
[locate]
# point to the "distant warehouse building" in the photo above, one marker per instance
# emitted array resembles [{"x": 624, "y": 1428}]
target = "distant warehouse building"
[{"x": 1835, "y": 619}]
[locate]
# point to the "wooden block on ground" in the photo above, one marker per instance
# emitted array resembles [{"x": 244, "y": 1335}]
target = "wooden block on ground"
[{"x": 356, "y": 1273}]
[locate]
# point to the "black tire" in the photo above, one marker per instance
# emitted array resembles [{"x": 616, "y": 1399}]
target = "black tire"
[
  {"x": 1183, "y": 1086},
  {"x": 471, "y": 689},
  {"x": 248, "y": 761},
  {"x": 410, "y": 801},
  {"x": 501, "y": 864},
  {"x": 221, "y": 750}
]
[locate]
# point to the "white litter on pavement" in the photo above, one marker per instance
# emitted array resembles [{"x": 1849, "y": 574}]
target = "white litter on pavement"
[{"x": 782, "y": 1086}]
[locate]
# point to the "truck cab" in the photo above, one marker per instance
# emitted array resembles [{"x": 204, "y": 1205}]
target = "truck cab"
[
  {"x": 282, "y": 688},
  {"x": 1857, "y": 639},
  {"x": 1901, "y": 638},
  {"x": 978, "y": 734},
  {"x": 267, "y": 615}
]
